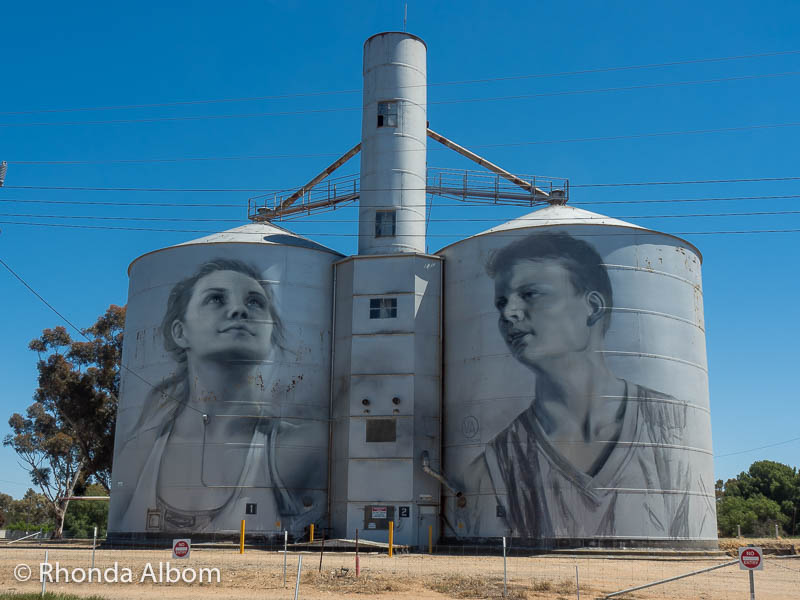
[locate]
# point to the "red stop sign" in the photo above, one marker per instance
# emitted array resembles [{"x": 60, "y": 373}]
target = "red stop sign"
[
  {"x": 181, "y": 549},
  {"x": 750, "y": 558}
]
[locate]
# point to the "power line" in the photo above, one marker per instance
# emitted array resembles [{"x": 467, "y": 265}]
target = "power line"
[
  {"x": 427, "y": 220},
  {"x": 46, "y": 303},
  {"x": 690, "y": 182},
  {"x": 331, "y": 154},
  {"x": 433, "y": 84},
  {"x": 633, "y": 231},
  {"x": 284, "y": 189},
  {"x": 759, "y": 448},
  {"x": 618, "y": 89},
  {"x": 240, "y": 205},
  {"x": 83, "y": 334},
  {"x": 441, "y": 102}
]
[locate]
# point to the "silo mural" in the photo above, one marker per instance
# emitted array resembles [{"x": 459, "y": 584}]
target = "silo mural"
[
  {"x": 576, "y": 410},
  {"x": 545, "y": 379},
  {"x": 224, "y": 401}
]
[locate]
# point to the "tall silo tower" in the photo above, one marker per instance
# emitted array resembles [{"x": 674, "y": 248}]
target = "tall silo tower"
[
  {"x": 224, "y": 396},
  {"x": 387, "y": 377},
  {"x": 576, "y": 385}
]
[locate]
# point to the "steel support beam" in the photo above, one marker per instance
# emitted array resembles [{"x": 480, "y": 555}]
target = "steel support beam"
[{"x": 525, "y": 185}]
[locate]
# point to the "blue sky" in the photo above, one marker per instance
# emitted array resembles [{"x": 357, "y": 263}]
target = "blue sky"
[{"x": 93, "y": 54}]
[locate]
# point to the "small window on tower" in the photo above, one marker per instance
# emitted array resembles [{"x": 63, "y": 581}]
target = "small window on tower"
[
  {"x": 387, "y": 114},
  {"x": 385, "y": 223},
  {"x": 383, "y": 308}
]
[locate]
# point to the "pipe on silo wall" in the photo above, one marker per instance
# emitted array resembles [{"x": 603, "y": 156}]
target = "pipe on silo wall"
[{"x": 393, "y": 145}]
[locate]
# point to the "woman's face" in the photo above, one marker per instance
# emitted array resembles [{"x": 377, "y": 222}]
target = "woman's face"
[{"x": 228, "y": 318}]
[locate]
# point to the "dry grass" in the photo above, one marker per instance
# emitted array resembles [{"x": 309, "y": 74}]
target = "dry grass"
[
  {"x": 770, "y": 545},
  {"x": 344, "y": 581},
  {"x": 471, "y": 586},
  {"x": 565, "y": 586}
]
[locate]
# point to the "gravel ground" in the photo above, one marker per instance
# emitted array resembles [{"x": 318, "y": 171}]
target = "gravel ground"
[{"x": 259, "y": 574}]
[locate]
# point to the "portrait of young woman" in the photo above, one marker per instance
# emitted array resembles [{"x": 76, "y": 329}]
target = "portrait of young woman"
[{"x": 210, "y": 430}]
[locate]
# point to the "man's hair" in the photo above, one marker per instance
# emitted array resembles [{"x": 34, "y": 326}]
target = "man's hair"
[{"x": 585, "y": 266}]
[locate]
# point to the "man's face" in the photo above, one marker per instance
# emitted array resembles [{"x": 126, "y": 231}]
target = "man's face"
[{"x": 542, "y": 315}]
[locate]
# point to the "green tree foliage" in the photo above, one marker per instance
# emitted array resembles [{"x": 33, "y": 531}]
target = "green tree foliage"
[
  {"x": 67, "y": 435},
  {"x": 81, "y": 379},
  {"x": 767, "y": 493},
  {"x": 84, "y": 515},
  {"x": 31, "y": 513}
]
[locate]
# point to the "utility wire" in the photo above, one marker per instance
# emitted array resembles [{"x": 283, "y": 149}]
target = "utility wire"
[
  {"x": 46, "y": 303},
  {"x": 83, "y": 334},
  {"x": 632, "y": 232},
  {"x": 440, "y": 102},
  {"x": 239, "y": 205},
  {"x": 789, "y": 441},
  {"x": 438, "y": 148},
  {"x": 425, "y": 219},
  {"x": 285, "y": 189},
  {"x": 429, "y": 84}
]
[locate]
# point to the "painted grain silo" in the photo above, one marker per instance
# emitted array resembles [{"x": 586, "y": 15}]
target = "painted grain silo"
[
  {"x": 576, "y": 389},
  {"x": 225, "y": 389},
  {"x": 544, "y": 380}
]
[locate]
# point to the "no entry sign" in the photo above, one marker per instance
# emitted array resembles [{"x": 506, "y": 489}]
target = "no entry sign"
[
  {"x": 181, "y": 548},
  {"x": 751, "y": 558}
]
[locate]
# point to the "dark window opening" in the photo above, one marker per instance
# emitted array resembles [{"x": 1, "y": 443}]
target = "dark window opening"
[
  {"x": 387, "y": 114},
  {"x": 385, "y": 223},
  {"x": 381, "y": 430},
  {"x": 383, "y": 308}
]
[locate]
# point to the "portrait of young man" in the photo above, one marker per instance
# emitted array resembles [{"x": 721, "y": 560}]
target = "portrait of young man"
[{"x": 592, "y": 455}]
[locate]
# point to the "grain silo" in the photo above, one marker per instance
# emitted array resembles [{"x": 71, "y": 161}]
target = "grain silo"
[
  {"x": 544, "y": 380},
  {"x": 225, "y": 387},
  {"x": 576, "y": 386}
]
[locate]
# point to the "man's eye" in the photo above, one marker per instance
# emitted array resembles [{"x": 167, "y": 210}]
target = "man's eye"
[{"x": 500, "y": 303}]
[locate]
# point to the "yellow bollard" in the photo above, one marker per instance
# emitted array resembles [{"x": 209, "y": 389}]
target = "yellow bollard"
[
  {"x": 430, "y": 539},
  {"x": 391, "y": 537},
  {"x": 241, "y": 540},
  {"x": 311, "y": 533}
]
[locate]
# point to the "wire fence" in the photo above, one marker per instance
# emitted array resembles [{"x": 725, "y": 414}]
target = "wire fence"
[{"x": 264, "y": 571}]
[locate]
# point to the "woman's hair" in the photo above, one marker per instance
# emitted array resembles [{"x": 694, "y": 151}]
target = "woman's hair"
[
  {"x": 585, "y": 266},
  {"x": 175, "y": 388}
]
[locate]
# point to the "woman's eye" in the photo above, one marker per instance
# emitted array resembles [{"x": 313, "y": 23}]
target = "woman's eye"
[
  {"x": 256, "y": 302},
  {"x": 215, "y": 299}
]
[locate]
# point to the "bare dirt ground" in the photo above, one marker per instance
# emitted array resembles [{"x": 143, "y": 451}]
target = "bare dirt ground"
[{"x": 259, "y": 574}]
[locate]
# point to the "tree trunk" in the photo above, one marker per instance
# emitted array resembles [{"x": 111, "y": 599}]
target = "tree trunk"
[
  {"x": 61, "y": 505},
  {"x": 61, "y": 512}
]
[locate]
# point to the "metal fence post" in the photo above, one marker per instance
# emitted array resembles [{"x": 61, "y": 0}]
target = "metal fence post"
[
  {"x": 44, "y": 580},
  {"x": 505, "y": 571},
  {"x": 285, "y": 545},
  {"x": 297, "y": 583},
  {"x": 94, "y": 545}
]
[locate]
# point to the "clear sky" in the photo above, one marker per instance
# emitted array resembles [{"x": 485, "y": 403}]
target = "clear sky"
[{"x": 575, "y": 114}]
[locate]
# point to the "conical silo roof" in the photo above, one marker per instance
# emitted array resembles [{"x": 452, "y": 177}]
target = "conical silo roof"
[
  {"x": 259, "y": 233},
  {"x": 559, "y": 215},
  {"x": 565, "y": 216},
  {"x": 252, "y": 233}
]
